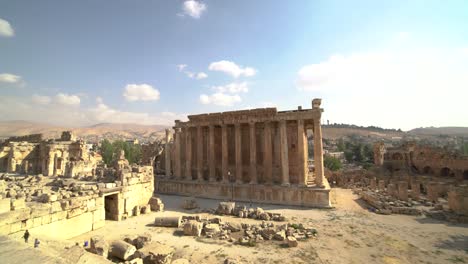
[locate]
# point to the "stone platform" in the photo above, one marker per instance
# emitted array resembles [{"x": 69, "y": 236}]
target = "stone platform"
[{"x": 272, "y": 194}]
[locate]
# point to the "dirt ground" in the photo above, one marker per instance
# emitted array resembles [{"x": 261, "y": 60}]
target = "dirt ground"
[{"x": 346, "y": 234}]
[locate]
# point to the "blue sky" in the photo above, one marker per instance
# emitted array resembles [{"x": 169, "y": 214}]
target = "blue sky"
[{"x": 396, "y": 64}]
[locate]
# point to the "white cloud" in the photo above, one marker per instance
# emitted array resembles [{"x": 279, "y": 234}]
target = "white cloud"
[
  {"x": 16, "y": 108},
  {"x": 233, "y": 88},
  {"x": 220, "y": 99},
  {"x": 5, "y": 29},
  {"x": 464, "y": 51},
  {"x": 406, "y": 89},
  {"x": 232, "y": 69},
  {"x": 65, "y": 99},
  {"x": 181, "y": 67},
  {"x": 193, "y": 8},
  {"x": 41, "y": 99},
  {"x": 141, "y": 92},
  {"x": 9, "y": 78},
  {"x": 191, "y": 75},
  {"x": 105, "y": 113},
  {"x": 201, "y": 75}
]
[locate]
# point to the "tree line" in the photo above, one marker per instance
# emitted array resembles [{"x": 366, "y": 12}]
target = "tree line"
[{"x": 110, "y": 151}]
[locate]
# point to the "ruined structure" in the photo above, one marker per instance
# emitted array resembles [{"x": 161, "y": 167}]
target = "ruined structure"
[
  {"x": 412, "y": 179},
  {"x": 255, "y": 155},
  {"x": 33, "y": 155},
  {"x": 59, "y": 189},
  {"x": 421, "y": 160},
  {"x": 64, "y": 208}
]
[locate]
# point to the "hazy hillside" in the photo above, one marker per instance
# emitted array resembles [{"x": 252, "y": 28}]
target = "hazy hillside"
[
  {"x": 92, "y": 133},
  {"x": 334, "y": 132},
  {"x": 146, "y": 133},
  {"x": 435, "y": 131}
]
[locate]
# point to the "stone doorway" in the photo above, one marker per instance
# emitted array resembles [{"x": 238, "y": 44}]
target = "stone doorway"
[{"x": 111, "y": 206}]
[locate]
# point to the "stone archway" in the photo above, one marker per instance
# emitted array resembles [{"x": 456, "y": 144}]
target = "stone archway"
[
  {"x": 465, "y": 175},
  {"x": 446, "y": 172},
  {"x": 397, "y": 156},
  {"x": 428, "y": 170}
]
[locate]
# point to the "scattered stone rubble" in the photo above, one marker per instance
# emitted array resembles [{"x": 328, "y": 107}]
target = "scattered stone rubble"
[
  {"x": 134, "y": 250},
  {"x": 241, "y": 233},
  {"x": 405, "y": 195},
  {"x": 229, "y": 208},
  {"x": 69, "y": 206}
]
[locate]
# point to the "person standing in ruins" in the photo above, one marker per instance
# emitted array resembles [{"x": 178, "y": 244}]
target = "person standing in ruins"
[
  {"x": 36, "y": 243},
  {"x": 26, "y": 236}
]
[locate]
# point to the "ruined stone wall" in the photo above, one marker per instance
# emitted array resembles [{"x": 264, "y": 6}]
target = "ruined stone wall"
[
  {"x": 75, "y": 208},
  {"x": 422, "y": 160},
  {"x": 33, "y": 138}
]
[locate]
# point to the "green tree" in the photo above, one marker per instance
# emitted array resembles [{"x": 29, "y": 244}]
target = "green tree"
[
  {"x": 110, "y": 151},
  {"x": 332, "y": 163},
  {"x": 107, "y": 151},
  {"x": 465, "y": 148}
]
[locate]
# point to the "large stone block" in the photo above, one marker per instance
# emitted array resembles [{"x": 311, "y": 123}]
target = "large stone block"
[
  {"x": 17, "y": 204},
  {"x": 5, "y": 205}
]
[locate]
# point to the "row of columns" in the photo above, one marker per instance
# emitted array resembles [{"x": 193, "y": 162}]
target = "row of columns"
[{"x": 267, "y": 159}]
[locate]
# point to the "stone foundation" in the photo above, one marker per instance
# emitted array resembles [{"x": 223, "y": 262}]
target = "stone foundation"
[{"x": 274, "y": 194}]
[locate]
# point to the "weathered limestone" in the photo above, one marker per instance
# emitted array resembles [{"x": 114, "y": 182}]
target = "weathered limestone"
[
  {"x": 168, "y": 153},
  {"x": 403, "y": 190},
  {"x": 193, "y": 228},
  {"x": 267, "y": 159},
  {"x": 415, "y": 190},
  {"x": 318, "y": 148},
  {"x": 64, "y": 156},
  {"x": 373, "y": 184},
  {"x": 284, "y": 154},
  {"x": 303, "y": 153},
  {"x": 224, "y": 153},
  {"x": 381, "y": 185},
  {"x": 238, "y": 151},
  {"x": 121, "y": 249},
  {"x": 177, "y": 153},
  {"x": 250, "y": 153},
  {"x": 253, "y": 154},
  {"x": 168, "y": 221},
  {"x": 211, "y": 153},
  {"x": 188, "y": 154},
  {"x": 199, "y": 153}
]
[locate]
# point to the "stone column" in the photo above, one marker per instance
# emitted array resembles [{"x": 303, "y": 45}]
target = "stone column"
[
  {"x": 302, "y": 153},
  {"x": 373, "y": 183},
  {"x": 211, "y": 152},
  {"x": 415, "y": 190},
  {"x": 253, "y": 154},
  {"x": 55, "y": 165},
  {"x": 224, "y": 153},
  {"x": 167, "y": 151},
  {"x": 403, "y": 190},
  {"x": 318, "y": 153},
  {"x": 188, "y": 154},
  {"x": 199, "y": 153},
  {"x": 177, "y": 159},
  {"x": 381, "y": 185},
  {"x": 267, "y": 157},
  {"x": 238, "y": 149},
  {"x": 284, "y": 153}
]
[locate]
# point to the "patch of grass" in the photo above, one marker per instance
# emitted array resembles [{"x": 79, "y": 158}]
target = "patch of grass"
[
  {"x": 186, "y": 246},
  {"x": 456, "y": 259},
  {"x": 438, "y": 252}
]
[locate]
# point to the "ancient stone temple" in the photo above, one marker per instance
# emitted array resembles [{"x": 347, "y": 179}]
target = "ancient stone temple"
[
  {"x": 258, "y": 155},
  {"x": 31, "y": 154}
]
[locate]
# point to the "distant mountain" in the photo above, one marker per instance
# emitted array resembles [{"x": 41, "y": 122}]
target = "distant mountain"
[
  {"x": 435, "y": 131},
  {"x": 93, "y": 133}
]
